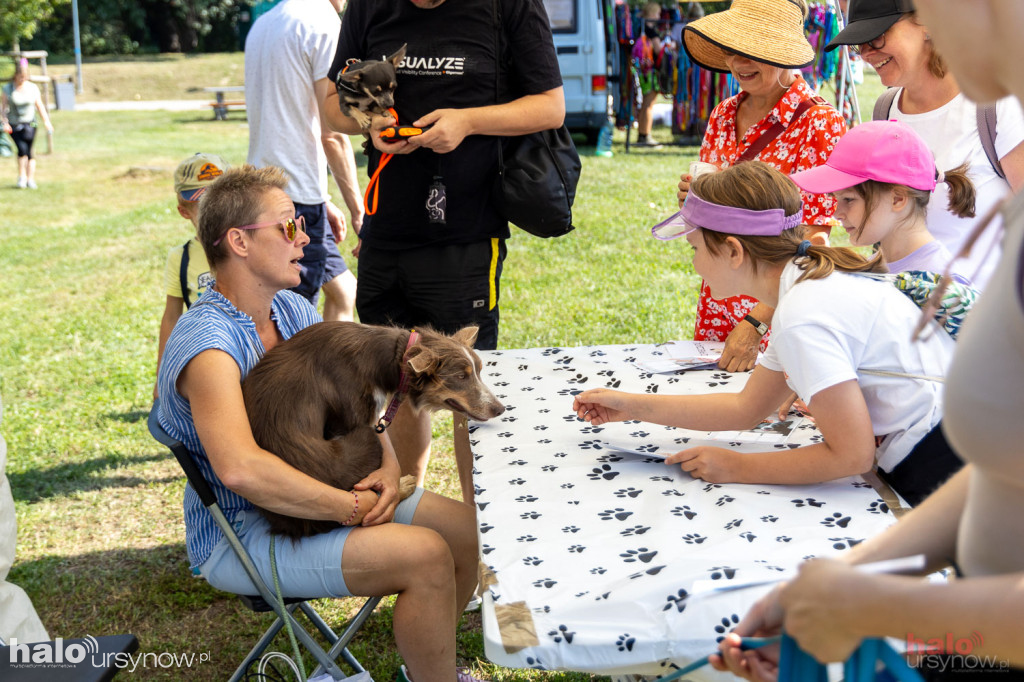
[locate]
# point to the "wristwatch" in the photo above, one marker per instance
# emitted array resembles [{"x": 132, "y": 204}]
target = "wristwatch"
[{"x": 761, "y": 327}]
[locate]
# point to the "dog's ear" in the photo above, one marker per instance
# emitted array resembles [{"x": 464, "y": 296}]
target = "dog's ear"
[
  {"x": 421, "y": 359},
  {"x": 350, "y": 76},
  {"x": 466, "y": 336},
  {"x": 397, "y": 57}
]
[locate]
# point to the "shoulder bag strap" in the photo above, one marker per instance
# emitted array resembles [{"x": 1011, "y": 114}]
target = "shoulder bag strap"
[
  {"x": 986, "y": 115},
  {"x": 183, "y": 275},
  {"x": 769, "y": 135},
  {"x": 883, "y": 105}
]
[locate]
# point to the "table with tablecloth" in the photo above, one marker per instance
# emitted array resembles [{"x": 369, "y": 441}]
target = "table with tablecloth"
[{"x": 595, "y": 559}]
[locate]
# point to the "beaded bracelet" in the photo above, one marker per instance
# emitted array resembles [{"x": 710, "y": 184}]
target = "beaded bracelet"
[{"x": 355, "y": 510}]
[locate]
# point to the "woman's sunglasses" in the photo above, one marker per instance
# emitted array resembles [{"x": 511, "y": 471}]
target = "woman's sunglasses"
[{"x": 291, "y": 228}]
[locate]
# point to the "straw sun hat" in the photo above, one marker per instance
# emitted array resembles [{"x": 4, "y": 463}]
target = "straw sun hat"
[{"x": 767, "y": 31}]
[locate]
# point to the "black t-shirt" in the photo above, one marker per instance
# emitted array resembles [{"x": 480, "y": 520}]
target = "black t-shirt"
[{"x": 449, "y": 63}]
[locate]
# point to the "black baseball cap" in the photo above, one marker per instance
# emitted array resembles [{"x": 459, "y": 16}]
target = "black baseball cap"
[{"x": 869, "y": 19}]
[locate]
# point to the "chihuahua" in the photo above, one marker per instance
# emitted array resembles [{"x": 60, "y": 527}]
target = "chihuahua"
[{"x": 367, "y": 88}]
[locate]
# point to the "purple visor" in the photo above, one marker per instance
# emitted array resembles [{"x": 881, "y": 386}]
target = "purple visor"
[{"x": 697, "y": 213}]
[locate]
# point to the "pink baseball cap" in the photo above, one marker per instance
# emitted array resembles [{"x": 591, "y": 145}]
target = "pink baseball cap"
[{"x": 884, "y": 151}]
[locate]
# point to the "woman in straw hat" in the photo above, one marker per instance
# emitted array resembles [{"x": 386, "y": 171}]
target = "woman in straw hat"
[
  {"x": 776, "y": 118},
  {"x": 927, "y": 97},
  {"x": 841, "y": 342},
  {"x": 976, "y": 520}
]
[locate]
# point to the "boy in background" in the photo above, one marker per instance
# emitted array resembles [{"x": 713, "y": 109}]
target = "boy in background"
[{"x": 187, "y": 273}]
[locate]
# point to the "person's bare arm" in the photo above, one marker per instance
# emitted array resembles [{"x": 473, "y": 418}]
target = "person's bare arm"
[{"x": 340, "y": 157}]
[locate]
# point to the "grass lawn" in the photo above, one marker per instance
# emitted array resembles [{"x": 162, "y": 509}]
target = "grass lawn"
[{"x": 98, "y": 502}]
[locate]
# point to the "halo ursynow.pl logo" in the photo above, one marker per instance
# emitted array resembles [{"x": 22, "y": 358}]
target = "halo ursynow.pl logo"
[{"x": 53, "y": 653}]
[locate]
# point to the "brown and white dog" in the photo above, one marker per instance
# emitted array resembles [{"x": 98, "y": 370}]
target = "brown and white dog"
[{"x": 314, "y": 399}]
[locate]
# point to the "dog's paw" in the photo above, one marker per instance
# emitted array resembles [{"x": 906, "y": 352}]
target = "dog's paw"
[{"x": 406, "y": 486}]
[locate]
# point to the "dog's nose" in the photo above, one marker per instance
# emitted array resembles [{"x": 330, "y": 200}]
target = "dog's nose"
[{"x": 497, "y": 409}]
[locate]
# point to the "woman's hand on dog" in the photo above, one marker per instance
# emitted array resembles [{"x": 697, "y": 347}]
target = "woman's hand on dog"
[
  {"x": 383, "y": 482},
  {"x": 600, "y": 405}
]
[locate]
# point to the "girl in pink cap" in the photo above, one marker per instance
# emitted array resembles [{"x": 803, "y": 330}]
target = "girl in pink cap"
[
  {"x": 882, "y": 175},
  {"x": 840, "y": 341}
]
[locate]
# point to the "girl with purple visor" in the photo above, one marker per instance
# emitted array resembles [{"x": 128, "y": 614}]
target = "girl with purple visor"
[{"x": 840, "y": 341}]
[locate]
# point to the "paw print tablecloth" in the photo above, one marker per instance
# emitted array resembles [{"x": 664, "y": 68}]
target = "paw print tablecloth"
[{"x": 597, "y": 560}]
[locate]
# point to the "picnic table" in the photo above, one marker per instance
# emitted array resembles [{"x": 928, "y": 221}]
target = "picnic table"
[
  {"x": 600, "y": 560},
  {"x": 221, "y": 103}
]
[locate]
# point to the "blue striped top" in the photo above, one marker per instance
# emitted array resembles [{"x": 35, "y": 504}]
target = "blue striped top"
[{"x": 215, "y": 323}]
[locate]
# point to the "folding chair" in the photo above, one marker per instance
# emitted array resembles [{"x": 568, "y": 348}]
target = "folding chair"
[{"x": 266, "y": 600}]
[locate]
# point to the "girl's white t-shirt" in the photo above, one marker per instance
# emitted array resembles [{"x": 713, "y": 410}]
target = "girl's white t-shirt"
[{"x": 951, "y": 132}]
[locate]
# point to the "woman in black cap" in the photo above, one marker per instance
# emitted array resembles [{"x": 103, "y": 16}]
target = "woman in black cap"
[
  {"x": 776, "y": 118},
  {"x": 927, "y": 97}
]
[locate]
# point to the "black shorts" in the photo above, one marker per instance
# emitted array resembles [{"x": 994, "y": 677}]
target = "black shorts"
[
  {"x": 23, "y": 135},
  {"x": 321, "y": 261},
  {"x": 930, "y": 464},
  {"x": 445, "y": 287}
]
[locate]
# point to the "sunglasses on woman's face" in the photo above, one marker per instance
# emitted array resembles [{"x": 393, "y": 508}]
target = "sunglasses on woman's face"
[{"x": 290, "y": 227}]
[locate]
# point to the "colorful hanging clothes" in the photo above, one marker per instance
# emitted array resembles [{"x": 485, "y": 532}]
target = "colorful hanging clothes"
[{"x": 806, "y": 143}]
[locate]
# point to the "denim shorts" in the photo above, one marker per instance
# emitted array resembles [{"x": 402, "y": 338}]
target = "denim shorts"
[
  {"x": 310, "y": 567},
  {"x": 321, "y": 260}
]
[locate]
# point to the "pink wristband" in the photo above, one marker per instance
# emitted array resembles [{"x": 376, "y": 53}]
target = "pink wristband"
[{"x": 355, "y": 510}]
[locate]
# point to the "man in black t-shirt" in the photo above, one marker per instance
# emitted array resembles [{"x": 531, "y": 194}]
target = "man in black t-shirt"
[{"x": 432, "y": 253}]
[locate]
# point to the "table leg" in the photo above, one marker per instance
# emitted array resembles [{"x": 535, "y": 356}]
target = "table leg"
[{"x": 463, "y": 457}]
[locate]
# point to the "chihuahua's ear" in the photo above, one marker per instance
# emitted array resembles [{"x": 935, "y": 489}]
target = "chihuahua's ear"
[
  {"x": 466, "y": 336},
  {"x": 397, "y": 57},
  {"x": 351, "y": 76}
]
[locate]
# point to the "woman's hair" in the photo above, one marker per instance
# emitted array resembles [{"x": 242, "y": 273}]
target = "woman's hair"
[
  {"x": 757, "y": 186},
  {"x": 936, "y": 64},
  {"x": 233, "y": 199},
  {"x": 961, "y": 194}
]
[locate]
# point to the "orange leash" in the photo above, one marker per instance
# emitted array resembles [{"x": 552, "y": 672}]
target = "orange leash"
[{"x": 374, "y": 184}]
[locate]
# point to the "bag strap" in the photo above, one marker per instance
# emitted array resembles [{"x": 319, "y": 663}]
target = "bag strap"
[
  {"x": 183, "y": 275},
  {"x": 883, "y": 105},
  {"x": 902, "y": 375},
  {"x": 769, "y": 135},
  {"x": 986, "y": 115}
]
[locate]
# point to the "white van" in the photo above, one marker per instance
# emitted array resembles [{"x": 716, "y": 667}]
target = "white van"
[{"x": 586, "y": 59}]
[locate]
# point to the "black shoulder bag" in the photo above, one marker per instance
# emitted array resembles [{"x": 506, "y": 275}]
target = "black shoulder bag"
[{"x": 538, "y": 172}]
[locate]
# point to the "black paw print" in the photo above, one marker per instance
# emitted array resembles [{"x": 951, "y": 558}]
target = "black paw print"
[
  {"x": 561, "y": 454},
  {"x": 845, "y": 543},
  {"x": 653, "y": 570},
  {"x": 770, "y": 518},
  {"x": 570, "y": 529},
  {"x": 486, "y": 549},
  {"x": 662, "y": 479},
  {"x": 783, "y": 538},
  {"x": 545, "y": 582},
  {"x": 682, "y": 441},
  {"x": 598, "y": 571},
  {"x": 531, "y": 515},
  {"x": 485, "y": 527},
  {"x": 562, "y": 633},
  {"x": 618, "y": 513},
  {"x": 522, "y": 368},
  {"x": 606, "y": 373},
  {"x": 592, "y": 429},
  {"x": 748, "y": 536},
  {"x": 635, "y": 530},
  {"x": 628, "y": 492},
  {"x": 532, "y": 561},
  {"x": 535, "y": 663},
  {"x": 590, "y": 445},
  {"x": 639, "y": 434},
  {"x": 684, "y": 511},
  {"x": 625, "y": 642},
  {"x": 515, "y": 462},
  {"x": 505, "y": 434},
  {"x": 567, "y": 486},
  {"x": 651, "y": 388},
  {"x": 676, "y": 600},
  {"x": 810, "y": 501},
  {"x": 604, "y": 471},
  {"x": 517, "y": 481},
  {"x": 861, "y": 484},
  {"x": 526, "y": 538},
  {"x": 549, "y": 468},
  {"x": 735, "y": 523},
  {"x": 719, "y": 571},
  {"x": 711, "y": 486},
  {"x": 693, "y": 538},
  {"x": 526, "y": 498},
  {"x": 613, "y": 383},
  {"x": 509, "y": 419},
  {"x": 878, "y": 507},
  {"x": 724, "y": 500},
  {"x": 609, "y": 458},
  {"x": 786, "y": 446},
  {"x": 725, "y": 625},
  {"x": 577, "y": 549},
  {"x": 648, "y": 448},
  {"x": 640, "y": 554},
  {"x": 672, "y": 492},
  {"x": 837, "y": 519},
  {"x": 541, "y": 427}
]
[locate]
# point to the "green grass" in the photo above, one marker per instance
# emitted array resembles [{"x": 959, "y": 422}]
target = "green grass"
[{"x": 98, "y": 502}]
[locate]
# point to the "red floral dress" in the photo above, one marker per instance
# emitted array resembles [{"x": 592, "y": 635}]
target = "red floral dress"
[{"x": 805, "y": 144}]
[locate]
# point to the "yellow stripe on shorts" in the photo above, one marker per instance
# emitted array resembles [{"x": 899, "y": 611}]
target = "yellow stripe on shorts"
[{"x": 492, "y": 285}]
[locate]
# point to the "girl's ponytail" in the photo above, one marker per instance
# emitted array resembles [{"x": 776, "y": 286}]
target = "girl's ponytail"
[{"x": 961, "y": 191}]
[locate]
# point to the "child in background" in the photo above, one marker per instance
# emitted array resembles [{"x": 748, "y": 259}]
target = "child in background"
[
  {"x": 649, "y": 47},
  {"x": 882, "y": 175},
  {"x": 187, "y": 273}
]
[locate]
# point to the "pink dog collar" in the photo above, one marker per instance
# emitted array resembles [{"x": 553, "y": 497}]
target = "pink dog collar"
[{"x": 403, "y": 388}]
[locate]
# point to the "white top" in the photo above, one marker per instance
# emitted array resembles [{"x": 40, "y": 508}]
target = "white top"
[
  {"x": 933, "y": 256},
  {"x": 825, "y": 331},
  {"x": 287, "y": 50},
  {"x": 951, "y": 132}
]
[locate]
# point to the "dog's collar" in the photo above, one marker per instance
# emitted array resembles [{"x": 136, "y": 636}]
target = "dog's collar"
[
  {"x": 403, "y": 387},
  {"x": 344, "y": 85}
]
